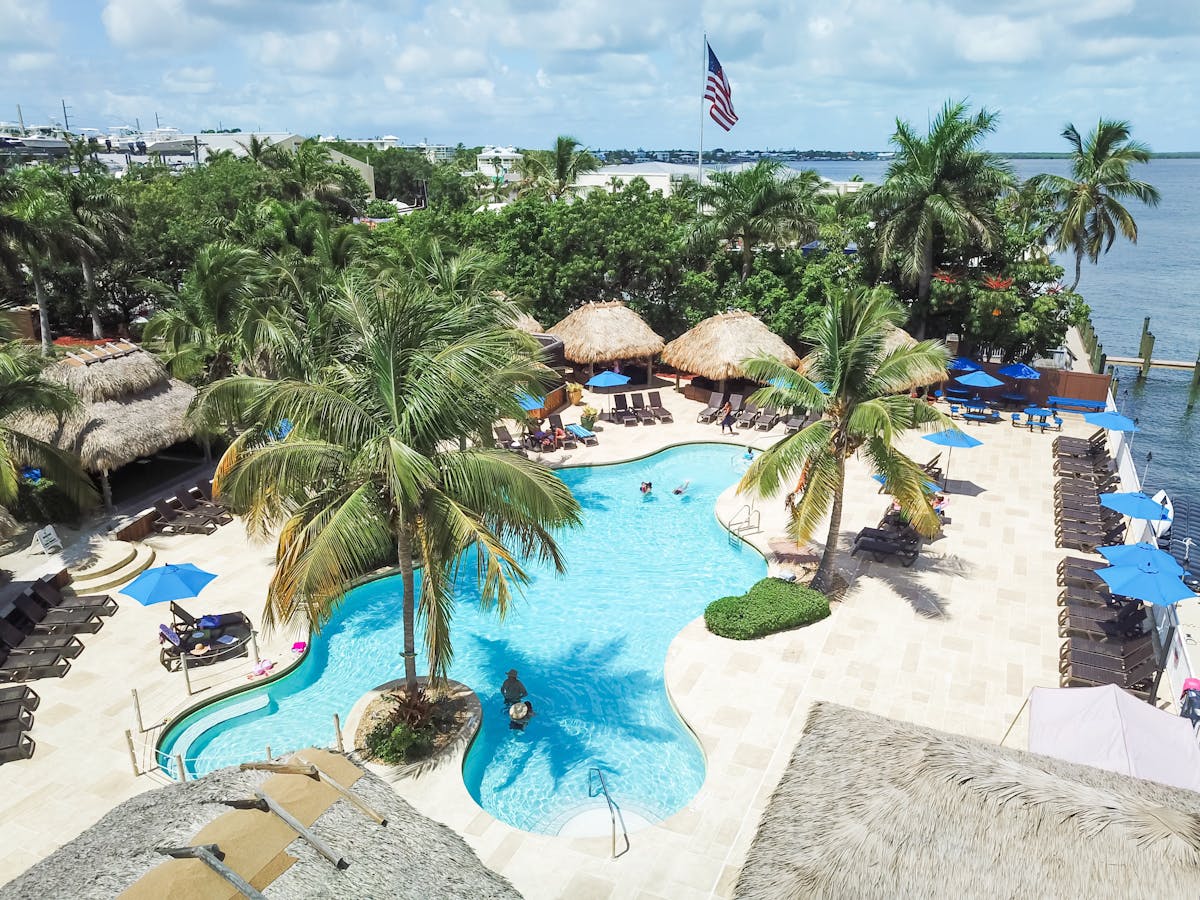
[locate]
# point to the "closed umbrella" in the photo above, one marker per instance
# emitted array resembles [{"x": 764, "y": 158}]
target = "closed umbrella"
[
  {"x": 979, "y": 379},
  {"x": 1134, "y": 504},
  {"x": 951, "y": 438},
  {"x": 169, "y": 582},
  {"x": 1112, "y": 421},
  {"x": 1142, "y": 552}
]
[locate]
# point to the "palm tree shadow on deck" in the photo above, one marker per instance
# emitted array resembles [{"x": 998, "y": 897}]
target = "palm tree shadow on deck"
[{"x": 563, "y": 690}]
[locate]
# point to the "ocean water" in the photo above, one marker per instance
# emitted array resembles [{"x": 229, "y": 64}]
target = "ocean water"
[
  {"x": 1157, "y": 277},
  {"x": 589, "y": 646}
]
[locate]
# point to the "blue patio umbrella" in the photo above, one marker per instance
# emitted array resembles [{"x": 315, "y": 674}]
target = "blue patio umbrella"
[
  {"x": 928, "y": 486},
  {"x": 951, "y": 438},
  {"x": 979, "y": 379},
  {"x": 821, "y": 386},
  {"x": 169, "y": 582},
  {"x": 1113, "y": 421},
  {"x": 1134, "y": 504},
  {"x": 607, "y": 378},
  {"x": 1142, "y": 552},
  {"x": 1020, "y": 372},
  {"x": 529, "y": 402},
  {"x": 963, "y": 364},
  {"x": 1146, "y": 582}
]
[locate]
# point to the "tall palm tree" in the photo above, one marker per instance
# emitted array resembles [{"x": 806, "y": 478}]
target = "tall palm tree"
[
  {"x": 259, "y": 151},
  {"x": 940, "y": 188},
  {"x": 308, "y": 174},
  {"x": 867, "y": 409},
  {"x": 553, "y": 173},
  {"x": 102, "y": 215},
  {"x": 758, "y": 205},
  {"x": 1090, "y": 199},
  {"x": 23, "y": 390},
  {"x": 370, "y": 475},
  {"x": 210, "y": 324}
]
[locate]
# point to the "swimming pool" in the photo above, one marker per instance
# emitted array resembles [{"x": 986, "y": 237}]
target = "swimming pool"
[{"x": 589, "y": 646}]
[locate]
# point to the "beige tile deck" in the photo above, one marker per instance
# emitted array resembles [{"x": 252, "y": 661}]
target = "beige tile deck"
[{"x": 956, "y": 642}]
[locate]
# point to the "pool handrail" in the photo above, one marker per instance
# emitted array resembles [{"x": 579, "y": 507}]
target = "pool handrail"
[{"x": 614, "y": 811}]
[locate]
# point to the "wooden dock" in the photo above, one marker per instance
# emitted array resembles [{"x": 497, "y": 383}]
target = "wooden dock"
[{"x": 1137, "y": 362}]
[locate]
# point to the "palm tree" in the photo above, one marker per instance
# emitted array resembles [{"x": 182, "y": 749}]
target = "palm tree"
[
  {"x": 308, "y": 174},
  {"x": 940, "y": 188},
  {"x": 261, "y": 152},
  {"x": 209, "y": 325},
  {"x": 1090, "y": 199},
  {"x": 867, "y": 408},
  {"x": 371, "y": 474},
  {"x": 553, "y": 173},
  {"x": 758, "y": 205},
  {"x": 102, "y": 215},
  {"x": 23, "y": 390}
]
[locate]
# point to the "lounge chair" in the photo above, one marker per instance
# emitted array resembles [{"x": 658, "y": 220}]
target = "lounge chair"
[
  {"x": 748, "y": 414},
  {"x": 190, "y": 503},
  {"x": 583, "y": 434},
  {"x": 33, "y": 618},
  {"x": 622, "y": 412},
  {"x": 226, "y": 635},
  {"x": 767, "y": 419},
  {"x": 642, "y": 410},
  {"x": 656, "y": 406},
  {"x": 203, "y": 489},
  {"x": 14, "y": 742},
  {"x": 25, "y": 696},
  {"x": 556, "y": 423},
  {"x": 174, "y": 521},
  {"x": 52, "y": 598},
  {"x": 735, "y": 404},
  {"x": 795, "y": 422},
  {"x": 505, "y": 441},
  {"x": 18, "y": 641},
  {"x": 905, "y": 551},
  {"x": 716, "y": 402},
  {"x": 37, "y": 664}
]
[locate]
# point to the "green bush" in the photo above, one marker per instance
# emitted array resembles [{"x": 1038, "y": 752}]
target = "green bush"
[
  {"x": 769, "y": 606},
  {"x": 44, "y": 503},
  {"x": 396, "y": 744}
]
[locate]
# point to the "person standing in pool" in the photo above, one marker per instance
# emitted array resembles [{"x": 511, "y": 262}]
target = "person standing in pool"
[
  {"x": 727, "y": 417},
  {"x": 647, "y": 487},
  {"x": 512, "y": 690}
]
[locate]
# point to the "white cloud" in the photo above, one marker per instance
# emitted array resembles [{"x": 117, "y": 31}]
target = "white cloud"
[{"x": 190, "y": 80}]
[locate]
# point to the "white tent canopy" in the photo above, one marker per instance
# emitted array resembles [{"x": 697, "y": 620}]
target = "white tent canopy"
[{"x": 1110, "y": 729}]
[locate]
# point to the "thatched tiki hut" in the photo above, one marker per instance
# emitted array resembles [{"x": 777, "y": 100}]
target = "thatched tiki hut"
[
  {"x": 717, "y": 347},
  {"x": 873, "y": 807},
  {"x": 130, "y": 407},
  {"x": 607, "y": 331}
]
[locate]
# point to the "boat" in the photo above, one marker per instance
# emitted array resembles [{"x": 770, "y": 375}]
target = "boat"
[
  {"x": 46, "y": 138},
  {"x": 1161, "y": 527}
]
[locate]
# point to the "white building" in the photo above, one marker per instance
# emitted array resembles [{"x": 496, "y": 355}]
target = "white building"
[
  {"x": 435, "y": 153},
  {"x": 499, "y": 162}
]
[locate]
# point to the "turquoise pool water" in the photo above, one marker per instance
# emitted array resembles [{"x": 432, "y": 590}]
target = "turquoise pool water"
[{"x": 590, "y": 647}]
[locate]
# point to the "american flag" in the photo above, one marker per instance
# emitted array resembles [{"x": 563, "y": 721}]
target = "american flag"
[{"x": 717, "y": 90}]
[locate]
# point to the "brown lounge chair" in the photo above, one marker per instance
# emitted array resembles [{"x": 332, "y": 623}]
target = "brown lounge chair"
[
  {"x": 52, "y": 598},
  {"x": 641, "y": 410},
  {"x": 656, "y": 406},
  {"x": 19, "y": 642},
  {"x": 191, "y": 504},
  {"x": 567, "y": 439},
  {"x": 174, "y": 521},
  {"x": 14, "y": 742},
  {"x": 37, "y": 664},
  {"x": 716, "y": 401},
  {"x": 622, "y": 412},
  {"x": 26, "y": 696},
  {"x": 33, "y": 618}
]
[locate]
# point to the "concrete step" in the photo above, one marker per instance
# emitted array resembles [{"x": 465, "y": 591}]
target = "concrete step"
[
  {"x": 109, "y": 557},
  {"x": 141, "y": 559}
]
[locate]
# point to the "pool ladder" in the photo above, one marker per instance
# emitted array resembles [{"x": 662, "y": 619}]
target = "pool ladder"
[
  {"x": 746, "y": 521},
  {"x": 596, "y": 787}
]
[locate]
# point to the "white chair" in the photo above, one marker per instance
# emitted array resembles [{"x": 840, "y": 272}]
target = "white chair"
[{"x": 48, "y": 540}]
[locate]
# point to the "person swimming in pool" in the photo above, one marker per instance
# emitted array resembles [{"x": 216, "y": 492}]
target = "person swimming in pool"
[
  {"x": 681, "y": 488},
  {"x": 519, "y": 715},
  {"x": 647, "y": 487}
]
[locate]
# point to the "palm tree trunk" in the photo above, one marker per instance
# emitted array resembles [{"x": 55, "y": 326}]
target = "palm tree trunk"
[
  {"x": 823, "y": 580},
  {"x": 404, "y": 552},
  {"x": 924, "y": 286},
  {"x": 39, "y": 291},
  {"x": 89, "y": 284},
  {"x": 1078, "y": 269},
  {"x": 747, "y": 258}
]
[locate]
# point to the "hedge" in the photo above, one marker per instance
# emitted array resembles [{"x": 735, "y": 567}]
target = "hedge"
[{"x": 769, "y": 606}]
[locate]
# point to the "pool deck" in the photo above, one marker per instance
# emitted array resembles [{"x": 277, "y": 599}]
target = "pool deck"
[{"x": 956, "y": 642}]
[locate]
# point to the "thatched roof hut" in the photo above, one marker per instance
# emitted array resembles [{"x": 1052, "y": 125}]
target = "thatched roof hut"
[
  {"x": 871, "y": 807},
  {"x": 130, "y": 407},
  {"x": 606, "y": 331},
  {"x": 717, "y": 347},
  {"x": 411, "y": 856},
  {"x": 527, "y": 323},
  {"x": 898, "y": 339}
]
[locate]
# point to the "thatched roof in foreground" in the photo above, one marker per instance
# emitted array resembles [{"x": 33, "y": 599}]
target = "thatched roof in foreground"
[
  {"x": 717, "y": 347},
  {"x": 871, "y": 807},
  {"x": 130, "y": 408},
  {"x": 412, "y": 857},
  {"x": 602, "y": 332}
]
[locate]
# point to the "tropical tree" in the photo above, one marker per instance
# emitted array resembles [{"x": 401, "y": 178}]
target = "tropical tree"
[
  {"x": 940, "y": 189},
  {"x": 761, "y": 204},
  {"x": 553, "y": 173},
  {"x": 101, "y": 215},
  {"x": 1090, "y": 199},
  {"x": 372, "y": 475},
  {"x": 310, "y": 174},
  {"x": 23, "y": 391},
  {"x": 867, "y": 408}
]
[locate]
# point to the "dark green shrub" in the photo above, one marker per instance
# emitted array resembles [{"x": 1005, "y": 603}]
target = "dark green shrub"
[
  {"x": 769, "y": 606},
  {"x": 396, "y": 744},
  {"x": 44, "y": 503}
]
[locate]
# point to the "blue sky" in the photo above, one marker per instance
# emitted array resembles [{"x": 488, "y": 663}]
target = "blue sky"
[{"x": 614, "y": 73}]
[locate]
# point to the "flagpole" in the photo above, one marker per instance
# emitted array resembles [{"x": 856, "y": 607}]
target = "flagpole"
[{"x": 703, "y": 87}]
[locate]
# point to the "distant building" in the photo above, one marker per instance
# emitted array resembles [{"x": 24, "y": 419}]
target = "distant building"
[
  {"x": 499, "y": 162},
  {"x": 435, "y": 153}
]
